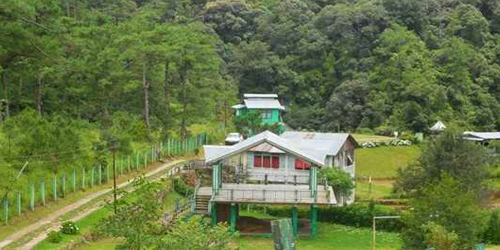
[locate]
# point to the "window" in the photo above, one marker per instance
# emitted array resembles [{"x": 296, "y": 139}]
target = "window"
[
  {"x": 276, "y": 162},
  {"x": 266, "y": 161},
  {"x": 302, "y": 165},
  {"x": 350, "y": 161},
  {"x": 266, "y": 114},
  {"x": 257, "y": 161}
]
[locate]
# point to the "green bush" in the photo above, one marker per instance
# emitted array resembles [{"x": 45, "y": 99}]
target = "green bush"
[
  {"x": 69, "y": 227},
  {"x": 356, "y": 215},
  {"x": 339, "y": 180},
  {"x": 181, "y": 187},
  {"x": 365, "y": 131},
  {"x": 54, "y": 237},
  {"x": 492, "y": 234}
]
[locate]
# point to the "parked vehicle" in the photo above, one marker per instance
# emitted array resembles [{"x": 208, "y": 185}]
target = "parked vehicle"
[{"x": 233, "y": 138}]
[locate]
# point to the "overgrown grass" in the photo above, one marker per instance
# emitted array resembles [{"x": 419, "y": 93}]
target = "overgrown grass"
[{"x": 383, "y": 162}]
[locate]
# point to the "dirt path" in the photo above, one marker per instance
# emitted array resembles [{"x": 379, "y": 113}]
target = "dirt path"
[{"x": 52, "y": 221}]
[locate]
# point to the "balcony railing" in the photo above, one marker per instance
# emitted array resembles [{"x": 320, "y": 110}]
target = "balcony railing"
[
  {"x": 278, "y": 177},
  {"x": 265, "y": 195}
]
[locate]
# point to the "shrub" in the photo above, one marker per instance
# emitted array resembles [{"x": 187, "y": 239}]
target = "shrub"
[
  {"x": 399, "y": 142},
  {"x": 492, "y": 234},
  {"x": 54, "y": 237},
  {"x": 181, "y": 187},
  {"x": 439, "y": 238},
  {"x": 356, "y": 215},
  {"x": 69, "y": 227},
  {"x": 365, "y": 131},
  {"x": 339, "y": 180},
  {"x": 368, "y": 145}
]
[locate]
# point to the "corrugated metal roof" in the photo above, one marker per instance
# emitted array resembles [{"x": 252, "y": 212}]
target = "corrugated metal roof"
[
  {"x": 256, "y": 103},
  {"x": 328, "y": 143},
  {"x": 315, "y": 157},
  {"x": 212, "y": 151},
  {"x": 238, "y": 106},
  {"x": 275, "y": 96},
  {"x": 265, "y": 147},
  {"x": 483, "y": 135}
]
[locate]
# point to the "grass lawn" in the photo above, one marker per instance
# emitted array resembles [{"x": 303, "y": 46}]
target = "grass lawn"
[
  {"x": 360, "y": 138},
  {"x": 86, "y": 225},
  {"x": 330, "y": 236},
  {"x": 28, "y": 217},
  {"x": 382, "y": 162},
  {"x": 90, "y": 221},
  {"x": 104, "y": 244},
  {"x": 380, "y": 189}
]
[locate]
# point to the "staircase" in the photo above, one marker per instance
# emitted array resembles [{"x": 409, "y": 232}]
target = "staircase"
[{"x": 201, "y": 203}]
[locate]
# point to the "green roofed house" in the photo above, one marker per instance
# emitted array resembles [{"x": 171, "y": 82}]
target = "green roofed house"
[
  {"x": 274, "y": 170},
  {"x": 268, "y": 105}
]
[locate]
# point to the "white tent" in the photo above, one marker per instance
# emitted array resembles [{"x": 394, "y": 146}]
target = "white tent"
[{"x": 438, "y": 127}]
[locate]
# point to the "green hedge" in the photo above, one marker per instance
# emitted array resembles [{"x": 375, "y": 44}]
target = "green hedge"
[{"x": 356, "y": 215}]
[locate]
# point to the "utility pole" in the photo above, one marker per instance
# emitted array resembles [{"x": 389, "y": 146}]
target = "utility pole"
[{"x": 114, "y": 145}]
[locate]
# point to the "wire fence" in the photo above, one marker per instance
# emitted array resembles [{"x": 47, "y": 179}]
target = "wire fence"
[{"x": 40, "y": 192}]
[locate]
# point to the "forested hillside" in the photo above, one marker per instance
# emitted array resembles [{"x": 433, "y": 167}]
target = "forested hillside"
[{"x": 166, "y": 65}]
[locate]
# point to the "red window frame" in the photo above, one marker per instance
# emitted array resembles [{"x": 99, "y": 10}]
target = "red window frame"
[
  {"x": 302, "y": 165},
  {"x": 276, "y": 161},
  {"x": 257, "y": 161},
  {"x": 266, "y": 161}
]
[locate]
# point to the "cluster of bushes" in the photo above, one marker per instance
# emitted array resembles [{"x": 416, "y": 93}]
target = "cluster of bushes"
[
  {"x": 393, "y": 142},
  {"x": 181, "y": 187},
  {"x": 68, "y": 227},
  {"x": 356, "y": 215},
  {"x": 492, "y": 233}
]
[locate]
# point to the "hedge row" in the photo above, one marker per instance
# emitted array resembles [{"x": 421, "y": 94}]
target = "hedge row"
[{"x": 356, "y": 215}]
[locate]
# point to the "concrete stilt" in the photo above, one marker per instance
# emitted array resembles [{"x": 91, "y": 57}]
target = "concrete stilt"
[
  {"x": 295, "y": 221},
  {"x": 314, "y": 218},
  {"x": 232, "y": 217}
]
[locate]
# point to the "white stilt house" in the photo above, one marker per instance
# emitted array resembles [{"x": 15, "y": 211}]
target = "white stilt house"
[{"x": 272, "y": 169}]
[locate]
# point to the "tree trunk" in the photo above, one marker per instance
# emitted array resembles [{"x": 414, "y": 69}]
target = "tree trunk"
[
  {"x": 166, "y": 89},
  {"x": 5, "y": 95},
  {"x": 184, "y": 105},
  {"x": 145, "y": 85},
  {"x": 67, "y": 8},
  {"x": 39, "y": 95}
]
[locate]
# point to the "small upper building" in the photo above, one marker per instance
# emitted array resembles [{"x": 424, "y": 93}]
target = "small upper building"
[
  {"x": 482, "y": 137},
  {"x": 268, "y": 105}
]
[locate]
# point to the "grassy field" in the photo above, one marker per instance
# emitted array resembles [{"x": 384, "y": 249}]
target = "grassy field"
[
  {"x": 89, "y": 222},
  {"x": 104, "y": 244},
  {"x": 330, "y": 236},
  {"x": 382, "y": 162},
  {"x": 379, "y": 189},
  {"x": 360, "y": 138},
  {"x": 41, "y": 212},
  {"x": 86, "y": 225}
]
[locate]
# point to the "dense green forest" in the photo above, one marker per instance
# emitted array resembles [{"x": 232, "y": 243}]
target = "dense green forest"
[{"x": 75, "y": 71}]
